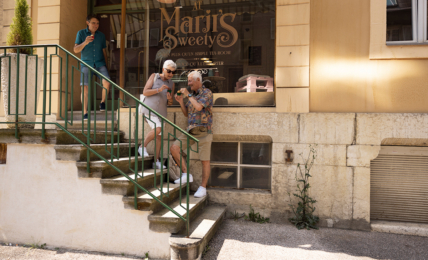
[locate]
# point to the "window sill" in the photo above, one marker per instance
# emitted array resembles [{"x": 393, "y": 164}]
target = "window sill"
[
  {"x": 406, "y": 44},
  {"x": 239, "y": 191}
]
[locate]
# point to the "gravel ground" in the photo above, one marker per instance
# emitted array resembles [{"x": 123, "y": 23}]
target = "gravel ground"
[
  {"x": 19, "y": 253},
  {"x": 246, "y": 240},
  {"x": 241, "y": 239}
]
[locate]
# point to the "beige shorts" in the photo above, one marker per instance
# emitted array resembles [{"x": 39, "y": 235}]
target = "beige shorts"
[{"x": 205, "y": 141}]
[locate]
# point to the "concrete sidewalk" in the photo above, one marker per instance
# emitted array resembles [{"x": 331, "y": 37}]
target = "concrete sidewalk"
[
  {"x": 247, "y": 240},
  {"x": 241, "y": 239}
]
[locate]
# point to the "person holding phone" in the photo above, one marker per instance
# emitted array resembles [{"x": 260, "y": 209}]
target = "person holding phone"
[
  {"x": 92, "y": 44},
  {"x": 157, "y": 95}
]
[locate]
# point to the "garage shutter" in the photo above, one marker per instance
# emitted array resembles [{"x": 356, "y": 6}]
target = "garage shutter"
[{"x": 399, "y": 184}]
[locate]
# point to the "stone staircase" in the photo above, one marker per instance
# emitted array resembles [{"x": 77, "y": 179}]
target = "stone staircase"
[{"x": 205, "y": 218}]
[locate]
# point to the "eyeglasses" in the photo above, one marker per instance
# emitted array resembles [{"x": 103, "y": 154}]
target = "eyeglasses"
[{"x": 171, "y": 71}]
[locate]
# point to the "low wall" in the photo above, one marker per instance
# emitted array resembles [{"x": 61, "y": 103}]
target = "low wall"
[
  {"x": 346, "y": 143},
  {"x": 43, "y": 201}
]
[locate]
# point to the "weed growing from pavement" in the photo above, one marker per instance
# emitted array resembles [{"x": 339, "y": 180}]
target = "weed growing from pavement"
[
  {"x": 37, "y": 246},
  {"x": 207, "y": 248},
  {"x": 256, "y": 217},
  {"x": 235, "y": 216},
  {"x": 303, "y": 213},
  {"x": 146, "y": 256}
]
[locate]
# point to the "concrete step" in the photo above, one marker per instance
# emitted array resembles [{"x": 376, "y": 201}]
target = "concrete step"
[
  {"x": 403, "y": 228},
  {"x": 77, "y": 152},
  {"x": 100, "y": 138},
  {"x": 100, "y": 169},
  {"x": 100, "y": 125},
  {"x": 100, "y": 115},
  {"x": 120, "y": 185},
  {"x": 202, "y": 229},
  {"x": 146, "y": 203},
  {"x": 166, "y": 221}
]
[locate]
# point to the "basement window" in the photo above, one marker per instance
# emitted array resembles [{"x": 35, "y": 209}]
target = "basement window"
[{"x": 241, "y": 165}]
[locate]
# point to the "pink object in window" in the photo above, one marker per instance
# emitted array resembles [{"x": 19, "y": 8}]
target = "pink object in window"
[{"x": 254, "y": 83}]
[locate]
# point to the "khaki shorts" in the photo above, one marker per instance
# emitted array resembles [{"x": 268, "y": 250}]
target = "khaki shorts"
[{"x": 205, "y": 141}]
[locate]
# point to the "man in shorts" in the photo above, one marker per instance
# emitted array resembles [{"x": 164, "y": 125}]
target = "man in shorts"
[
  {"x": 92, "y": 44},
  {"x": 198, "y": 111}
]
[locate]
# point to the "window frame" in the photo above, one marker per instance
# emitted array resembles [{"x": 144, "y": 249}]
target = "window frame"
[
  {"x": 419, "y": 23},
  {"x": 239, "y": 165}
]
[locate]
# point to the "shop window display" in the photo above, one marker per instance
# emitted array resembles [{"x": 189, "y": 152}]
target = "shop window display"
[{"x": 231, "y": 43}]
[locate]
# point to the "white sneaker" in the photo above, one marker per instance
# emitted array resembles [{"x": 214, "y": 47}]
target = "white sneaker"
[
  {"x": 158, "y": 165},
  {"x": 140, "y": 151},
  {"x": 184, "y": 178},
  {"x": 201, "y": 192}
]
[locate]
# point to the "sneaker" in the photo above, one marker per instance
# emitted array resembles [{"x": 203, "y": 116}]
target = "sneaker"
[
  {"x": 184, "y": 178},
  {"x": 158, "y": 165},
  {"x": 102, "y": 106},
  {"x": 85, "y": 117},
  {"x": 201, "y": 192},
  {"x": 140, "y": 151}
]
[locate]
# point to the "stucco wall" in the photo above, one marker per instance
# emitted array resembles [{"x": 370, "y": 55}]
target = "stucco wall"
[
  {"x": 344, "y": 78},
  {"x": 43, "y": 201},
  {"x": 346, "y": 143}
]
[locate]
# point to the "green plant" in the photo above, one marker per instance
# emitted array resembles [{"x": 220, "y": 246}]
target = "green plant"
[
  {"x": 256, "y": 217},
  {"x": 235, "y": 216},
  {"x": 303, "y": 214},
  {"x": 206, "y": 249},
  {"x": 21, "y": 32},
  {"x": 146, "y": 256},
  {"x": 37, "y": 246}
]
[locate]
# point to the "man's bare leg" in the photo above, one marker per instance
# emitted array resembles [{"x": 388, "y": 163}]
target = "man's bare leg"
[
  {"x": 175, "y": 152},
  {"x": 106, "y": 85},
  {"x": 206, "y": 172},
  {"x": 85, "y": 94}
]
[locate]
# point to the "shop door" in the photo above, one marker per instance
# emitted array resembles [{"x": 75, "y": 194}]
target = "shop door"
[
  {"x": 399, "y": 184},
  {"x": 135, "y": 52}
]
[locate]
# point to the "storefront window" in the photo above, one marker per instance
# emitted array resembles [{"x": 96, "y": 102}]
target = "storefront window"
[{"x": 231, "y": 43}]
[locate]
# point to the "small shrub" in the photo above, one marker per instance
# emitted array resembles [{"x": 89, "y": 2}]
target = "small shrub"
[
  {"x": 303, "y": 214},
  {"x": 256, "y": 217},
  {"x": 21, "y": 32}
]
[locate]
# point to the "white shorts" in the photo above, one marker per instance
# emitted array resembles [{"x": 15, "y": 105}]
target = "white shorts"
[{"x": 154, "y": 119}]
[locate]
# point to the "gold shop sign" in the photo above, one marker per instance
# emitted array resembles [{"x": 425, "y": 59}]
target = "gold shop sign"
[{"x": 192, "y": 24}]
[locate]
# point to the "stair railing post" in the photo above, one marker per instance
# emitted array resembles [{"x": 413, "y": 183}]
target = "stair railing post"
[
  {"x": 45, "y": 65},
  {"x": 17, "y": 93},
  {"x": 88, "y": 124},
  {"x": 136, "y": 157},
  {"x": 66, "y": 90}
]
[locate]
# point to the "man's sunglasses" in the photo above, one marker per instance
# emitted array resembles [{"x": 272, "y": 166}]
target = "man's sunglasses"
[{"x": 171, "y": 71}]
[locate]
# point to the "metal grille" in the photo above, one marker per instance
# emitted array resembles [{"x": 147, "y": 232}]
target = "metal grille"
[{"x": 399, "y": 184}]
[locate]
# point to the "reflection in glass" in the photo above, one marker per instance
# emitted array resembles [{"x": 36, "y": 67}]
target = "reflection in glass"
[
  {"x": 224, "y": 152},
  {"x": 223, "y": 176},
  {"x": 399, "y": 20},
  {"x": 256, "y": 178},
  {"x": 256, "y": 153},
  {"x": 236, "y": 37}
]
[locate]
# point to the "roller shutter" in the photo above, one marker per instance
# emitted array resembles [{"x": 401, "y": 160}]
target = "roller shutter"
[{"x": 399, "y": 184}]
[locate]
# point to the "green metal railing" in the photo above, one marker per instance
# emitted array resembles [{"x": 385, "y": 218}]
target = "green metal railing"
[{"x": 89, "y": 127}]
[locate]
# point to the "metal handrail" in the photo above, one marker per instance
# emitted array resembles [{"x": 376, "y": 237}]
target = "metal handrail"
[{"x": 86, "y": 131}]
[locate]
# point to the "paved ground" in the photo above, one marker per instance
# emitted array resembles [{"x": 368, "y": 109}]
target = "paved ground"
[{"x": 246, "y": 240}]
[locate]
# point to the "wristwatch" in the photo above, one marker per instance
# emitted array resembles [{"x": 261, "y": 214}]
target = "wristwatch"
[{"x": 190, "y": 95}]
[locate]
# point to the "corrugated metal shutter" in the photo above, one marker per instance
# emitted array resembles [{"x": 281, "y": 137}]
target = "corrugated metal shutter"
[{"x": 399, "y": 184}]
